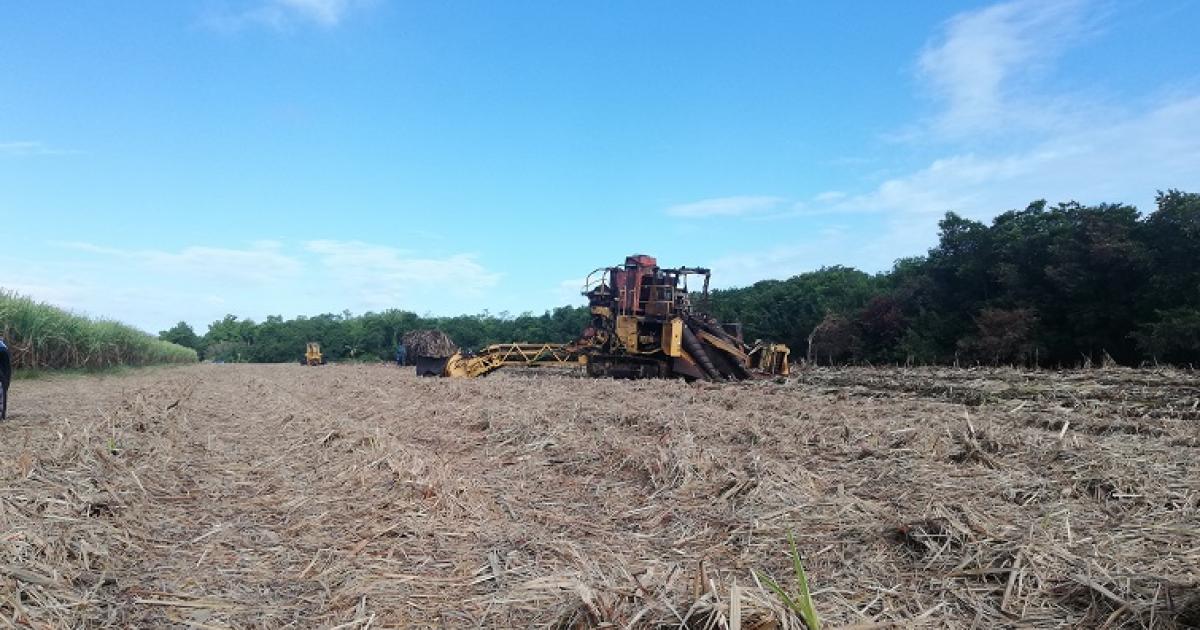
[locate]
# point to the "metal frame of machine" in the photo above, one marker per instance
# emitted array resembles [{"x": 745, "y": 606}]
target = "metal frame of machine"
[{"x": 497, "y": 356}]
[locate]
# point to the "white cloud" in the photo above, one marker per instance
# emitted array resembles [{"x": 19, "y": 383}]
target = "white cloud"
[
  {"x": 384, "y": 276},
  {"x": 114, "y": 291},
  {"x": 264, "y": 262},
  {"x": 154, "y": 288},
  {"x": 283, "y": 14},
  {"x": 985, "y": 58},
  {"x": 24, "y": 148},
  {"x": 824, "y": 247},
  {"x": 725, "y": 206},
  {"x": 65, "y": 294},
  {"x": 325, "y": 12},
  {"x": 829, "y": 196},
  {"x": 20, "y": 147},
  {"x": 1058, "y": 147},
  {"x": 572, "y": 283},
  {"x": 1085, "y": 151},
  {"x": 1115, "y": 161},
  {"x": 567, "y": 291}
]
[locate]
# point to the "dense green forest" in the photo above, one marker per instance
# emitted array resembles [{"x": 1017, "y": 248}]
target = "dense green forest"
[
  {"x": 1063, "y": 285},
  {"x": 1059, "y": 285}
]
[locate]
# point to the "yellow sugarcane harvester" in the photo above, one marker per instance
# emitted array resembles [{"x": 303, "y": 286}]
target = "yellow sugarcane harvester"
[{"x": 643, "y": 325}]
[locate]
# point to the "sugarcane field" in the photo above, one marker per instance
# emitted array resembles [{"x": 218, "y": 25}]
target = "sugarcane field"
[
  {"x": 382, "y": 314},
  {"x": 277, "y": 495}
]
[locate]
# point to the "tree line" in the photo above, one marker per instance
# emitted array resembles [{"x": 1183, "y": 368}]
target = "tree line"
[
  {"x": 1060, "y": 285},
  {"x": 367, "y": 337}
]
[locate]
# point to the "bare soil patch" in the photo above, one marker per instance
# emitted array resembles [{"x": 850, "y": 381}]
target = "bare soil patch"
[{"x": 362, "y": 496}]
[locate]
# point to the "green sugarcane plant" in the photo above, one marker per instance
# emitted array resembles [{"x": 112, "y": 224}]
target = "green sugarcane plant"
[
  {"x": 800, "y": 602},
  {"x": 44, "y": 337}
]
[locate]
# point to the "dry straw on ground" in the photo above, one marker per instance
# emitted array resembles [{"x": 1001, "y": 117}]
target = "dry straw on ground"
[{"x": 360, "y": 496}]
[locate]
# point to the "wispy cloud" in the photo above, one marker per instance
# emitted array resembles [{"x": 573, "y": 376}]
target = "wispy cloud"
[
  {"x": 1124, "y": 160},
  {"x": 283, "y": 14},
  {"x": 325, "y": 12},
  {"x": 263, "y": 262},
  {"x": 824, "y": 247},
  {"x": 567, "y": 291},
  {"x": 1057, "y": 146},
  {"x": 24, "y": 148},
  {"x": 984, "y": 59},
  {"x": 726, "y": 207},
  {"x": 154, "y": 288},
  {"x": 64, "y": 294},
  {"x": 1054, "y": 146},
  {"x": 385, "y": 276},
  {"x": 829, "y": 196}
]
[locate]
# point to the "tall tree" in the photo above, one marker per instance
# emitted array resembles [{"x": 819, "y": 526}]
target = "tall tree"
[{"x": 181, "y": 334}]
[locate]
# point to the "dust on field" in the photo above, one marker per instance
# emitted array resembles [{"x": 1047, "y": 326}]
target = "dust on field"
[{"x": 355, "y": 496}]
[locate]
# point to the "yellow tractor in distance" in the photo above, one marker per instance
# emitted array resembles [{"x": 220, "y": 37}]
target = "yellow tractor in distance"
[{"x": 312, "y": 355}]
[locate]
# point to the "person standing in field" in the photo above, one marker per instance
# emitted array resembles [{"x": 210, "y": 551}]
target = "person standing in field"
[
  {"x": 5, "y": 379},
  {"x": 401, "y": 355}
]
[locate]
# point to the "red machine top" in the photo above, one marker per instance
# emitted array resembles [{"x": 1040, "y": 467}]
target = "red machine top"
[{"x": 640, "y": 260}]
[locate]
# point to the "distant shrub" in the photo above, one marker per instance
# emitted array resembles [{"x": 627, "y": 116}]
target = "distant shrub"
[
  {"x": 1174, "y": 337},
  {"x": 835, "y": 340},
  {"x": 1002, "y": 336}
]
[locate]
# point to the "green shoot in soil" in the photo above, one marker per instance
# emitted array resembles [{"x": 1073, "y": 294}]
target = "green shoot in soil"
[{"x": 799, "y": 602}]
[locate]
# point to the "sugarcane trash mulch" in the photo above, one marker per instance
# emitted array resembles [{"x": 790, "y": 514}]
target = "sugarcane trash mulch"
[{"x": 359, "y": 496}]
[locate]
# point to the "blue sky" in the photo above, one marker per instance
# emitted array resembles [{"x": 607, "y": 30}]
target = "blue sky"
[{"x": 166, "y": 161}]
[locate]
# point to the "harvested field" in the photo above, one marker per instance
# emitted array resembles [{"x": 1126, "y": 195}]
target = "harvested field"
[{"x": 361, "y": 496}]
